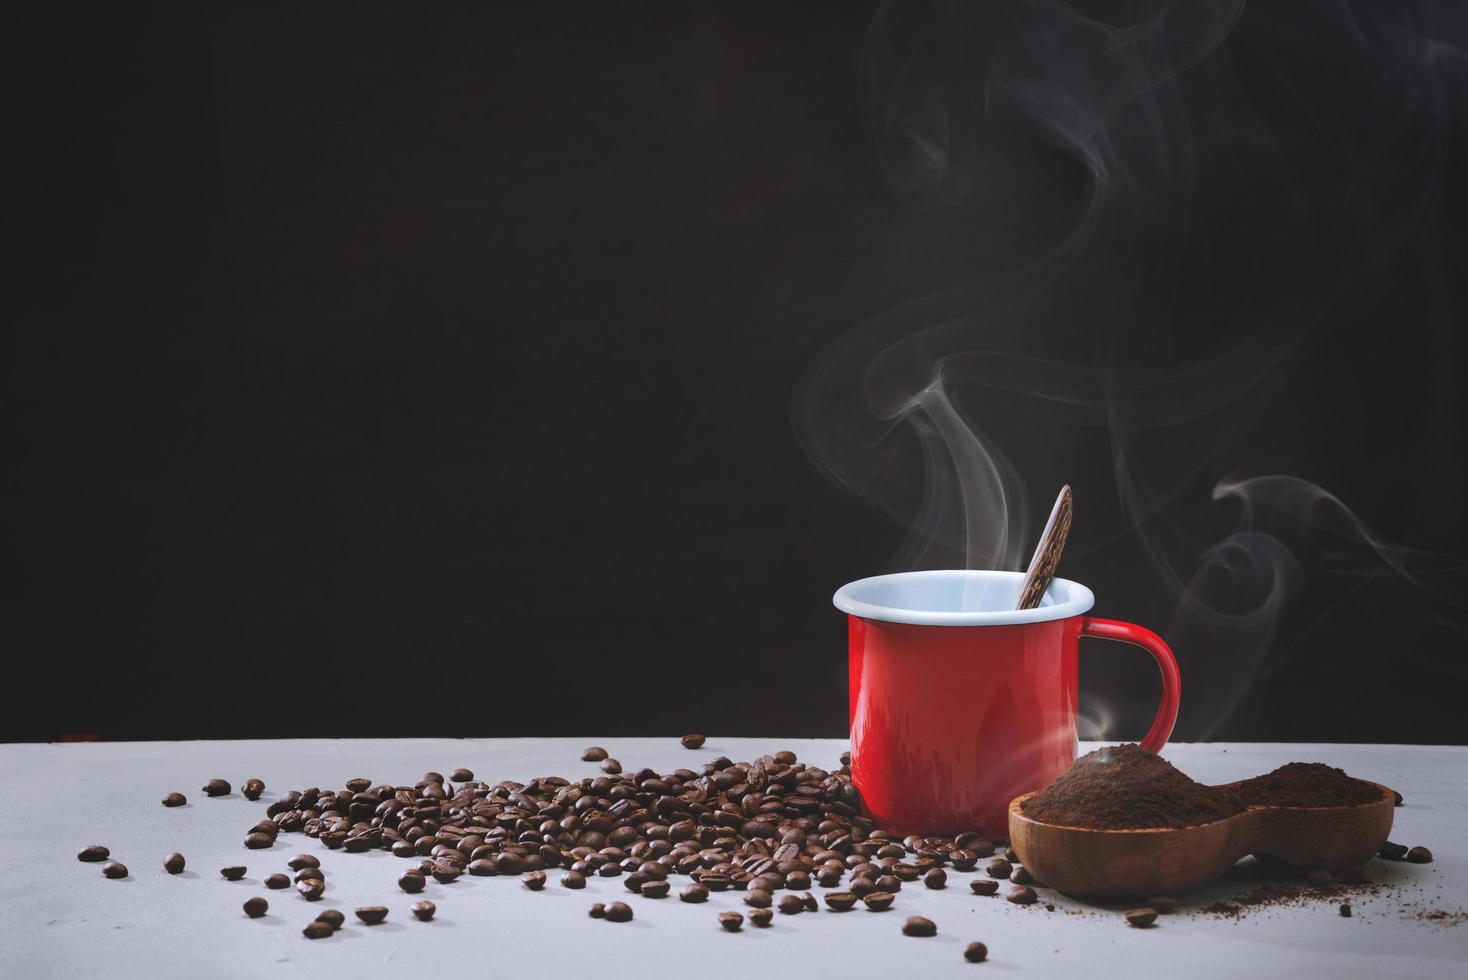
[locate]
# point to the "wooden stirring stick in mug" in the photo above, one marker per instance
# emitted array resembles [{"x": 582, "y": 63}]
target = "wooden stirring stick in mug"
[{"x": 1047, "y": 553}]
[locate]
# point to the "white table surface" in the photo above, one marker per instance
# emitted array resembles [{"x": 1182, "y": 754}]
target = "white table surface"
[{"x": 60, "y": 918}]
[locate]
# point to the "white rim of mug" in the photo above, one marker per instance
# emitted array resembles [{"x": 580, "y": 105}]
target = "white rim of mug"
[{"x": 1067, "y": 599}]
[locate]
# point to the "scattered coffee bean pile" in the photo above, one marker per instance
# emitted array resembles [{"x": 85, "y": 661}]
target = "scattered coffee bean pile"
[{"x": 760, "y": 827}]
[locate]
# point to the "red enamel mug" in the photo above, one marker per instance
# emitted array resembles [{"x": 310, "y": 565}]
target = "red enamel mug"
[{"x": 959, "y": 702}]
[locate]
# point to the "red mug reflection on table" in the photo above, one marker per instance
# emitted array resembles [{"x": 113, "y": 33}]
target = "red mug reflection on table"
[{"x": 960, "y": 702}]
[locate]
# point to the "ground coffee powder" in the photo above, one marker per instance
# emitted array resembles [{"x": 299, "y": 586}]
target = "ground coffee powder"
[
  {"x": 1306, "y": 784},
  {"x": 1125, "y": 787}
]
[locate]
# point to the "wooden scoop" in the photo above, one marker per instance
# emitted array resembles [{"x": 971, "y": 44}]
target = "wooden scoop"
[{"x": 1167, "y": 861}]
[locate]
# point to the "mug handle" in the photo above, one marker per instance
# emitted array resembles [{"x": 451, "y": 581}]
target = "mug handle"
[{"x": 1111, "y": 629}]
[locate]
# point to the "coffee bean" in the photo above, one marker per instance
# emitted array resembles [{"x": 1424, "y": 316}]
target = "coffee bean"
[
  {"x": 758, "y": 898},
  {"x": 1419, "y": 855},
  {"x": 916, "y": 925},
  {"x": 1021, "y": 895},
  {"x": 613, "y": 767},
  {"x": 311, "y": 889},
  {"x": 424, "y": 910},
  {"x": 1345, "y": 910},
  {"x": 413, "y": 881},
  {"x": 786, "y": 758},
  {"x": 936, "y": 878},
  {"x": 619, "y": 912},
  {"x": 846, "y": 758},
  {"x": 433, "y": 777},
  {"x": 257, "y": 842},
  {"x": 694, "y": 893},
  {"x": 277, "y": 881},
  {"x": 594, "y": 754},
  {"x": 1356, "y": 876},
  {"x": 114, "y": 869},
  {"x": 174, "y": 863},
  {"x": 1393, "y": 852},
  {"x": 731, "y": 921},
  {"x": 828, "y": 877},
  {"x": 1021, "y": 876},
  {"x": 693, "y": 742},
  {"x": 840, "y": 901},
  {"x": 962, "y": 860},
  {"x": 483, "y": 868},
  {"x": 233, "y": 873},
  {"x": 372, "y": 914},
  {"x": 862, "y": 887},
  {"x": 175, "y": 799},
  {"x": 984, "y": 886},
  {"x": 878, "y": 901},
  {"x": 1320, "y": 878},
  {"x": 655, "y": 888},
  {"x": 462, "y": 775},
  {"x": 976, "y": 952},
  {"x": 216, "y": 787},
  {"x": 767, "y": 882},
  {"x": 1141, "y": 918},
  {"x": 256, "y": 907},
  {"x": 303, "y": 861},
  {"x": 791, "y": 904},
  {"x": 445, "y": 874},
  {"x": 598, "y": 911},
  {"x": 306, "y": 873},
  {"x": 317, "y": 930},
  {"x": 761, "y": 918},
  {"x": 572, "y": 879},
  {"x": 333, "y": 918},
  {"x": 252, "y": 789},
  {"x": 1163, "y": 904},
  {"x": 889, "y": 883},
  {"x": 999, "y": 868},
  {"x": 359, "y": 784},
  {"x": 1396, "y": 798},
  {"x": 610, "y": 870},
  {"x": 797, "y": 880},
  {"x": 94, "y": 853}
]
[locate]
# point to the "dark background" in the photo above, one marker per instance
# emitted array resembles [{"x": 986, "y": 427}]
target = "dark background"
[{"x": 399, "y": 369}]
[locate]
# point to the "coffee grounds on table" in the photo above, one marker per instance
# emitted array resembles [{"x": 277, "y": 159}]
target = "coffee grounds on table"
[
  {"x": 1306, "y": 784},
  {"x": 1125, "y": 787}
]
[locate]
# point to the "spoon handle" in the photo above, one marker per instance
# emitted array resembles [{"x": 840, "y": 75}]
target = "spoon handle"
[{"x": 1047, "y": 553}]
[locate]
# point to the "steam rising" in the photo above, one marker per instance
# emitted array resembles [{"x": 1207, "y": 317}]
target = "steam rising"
[{"x": 921, "y": 408}]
